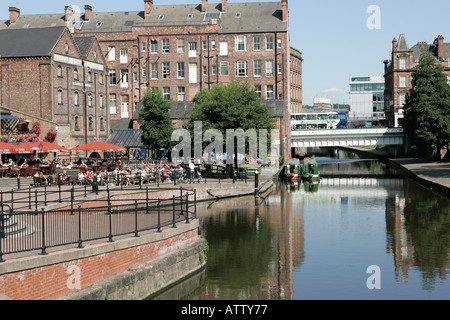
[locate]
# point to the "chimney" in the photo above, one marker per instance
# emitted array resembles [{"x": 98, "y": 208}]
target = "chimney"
[
  {"x": 68, "y": 13},
  {"x": 284, "y": 4},
  {"x": 148, "y": 6},
  {"x": 394, "y": 44},
  {"x": 14, "y": 14},
  {"x": 204, "y": 5},
  {"x": 224, "y": 6},
  {"x": 439, "y": 43},
  {"x": 87, "y": 12}
]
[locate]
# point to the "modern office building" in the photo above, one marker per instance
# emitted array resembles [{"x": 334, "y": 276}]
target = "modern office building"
[{"x": 367, "y": 99}]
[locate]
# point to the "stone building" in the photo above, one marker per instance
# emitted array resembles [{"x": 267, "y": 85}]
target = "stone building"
[
  {"x": 51, "y": 76},
  {"x": 183, "y": 49},
  {"x": 398, "y": 72}
]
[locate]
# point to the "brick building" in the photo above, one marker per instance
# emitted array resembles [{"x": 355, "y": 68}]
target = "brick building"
[
  {"x": 56, "y": 77},
  {"x": 398, "y": 72},
  {"x": 183, "y": 49}
]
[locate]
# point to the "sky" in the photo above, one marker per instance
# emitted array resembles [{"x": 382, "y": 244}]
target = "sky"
[{"x": 339, "y": 40}]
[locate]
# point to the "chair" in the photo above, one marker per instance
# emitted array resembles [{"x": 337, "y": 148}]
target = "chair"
[{"x": 14, "y": 172}]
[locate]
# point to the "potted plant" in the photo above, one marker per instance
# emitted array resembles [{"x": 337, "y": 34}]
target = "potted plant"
[{"x": 36, "y": 128}]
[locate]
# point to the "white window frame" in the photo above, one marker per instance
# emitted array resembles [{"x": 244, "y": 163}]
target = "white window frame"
[
  {"x": 111, "y": 53},
  {"x": 223, "y": 46},
  {"x": 181, "y": 94},
  {"x": 224, "y": 66},
  {"x": 241, "y": 68},
  {"x": 241, "y": 43},
  {"x": 181, "y": 72},
  {"x": 180, "y": 45},
  {"x": 257, "y": 68},
  {"x": 403, "y": 81},
  {"x": 165, "y": 45},
  {"x": 269, "y": 43},
  {"x": 123, "y": 56},
  {"x": 269, "y": 68},
  {"x": 193, "y": 49},
  {"x": 154, "y": 71}
]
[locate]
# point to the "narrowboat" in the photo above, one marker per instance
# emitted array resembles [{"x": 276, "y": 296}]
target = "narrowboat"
[
  {"x": 310, "y": 169},
  {"x": 292, "y": 169}
]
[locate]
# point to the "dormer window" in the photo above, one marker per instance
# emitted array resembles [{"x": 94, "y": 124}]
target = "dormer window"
[
  {"x": 161, "y": 17},
  {"x": 190, "y": 16},
  {"x": 238, "y": 15}
]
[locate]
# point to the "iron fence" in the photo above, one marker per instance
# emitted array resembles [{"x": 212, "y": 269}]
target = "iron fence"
[{"x": 25, "y": 230}]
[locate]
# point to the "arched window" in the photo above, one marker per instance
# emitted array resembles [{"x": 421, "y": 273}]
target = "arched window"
[
  {"x": 75, "y": 74},
  {"x": 59, "y": 71},
  {"x": 75, "y": 99},
  {"x": 60, "y": 101},
  {"x": 77, "y": 123}
]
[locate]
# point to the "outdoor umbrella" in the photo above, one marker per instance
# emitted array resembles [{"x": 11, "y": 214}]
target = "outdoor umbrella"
[
  {"x": 43, "y": 147},
  {"x": 8, "y": 148},
  {"x": 97, "y": 146}
]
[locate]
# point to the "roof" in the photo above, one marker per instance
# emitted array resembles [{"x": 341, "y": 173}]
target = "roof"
[
  {"x": 38, "y": 42},
  {"x": 239, "y": 17},
  {"x": 126, "y": 138},
  {"x": 402, "y": 43},
  {"x": 84, "y": 44}
]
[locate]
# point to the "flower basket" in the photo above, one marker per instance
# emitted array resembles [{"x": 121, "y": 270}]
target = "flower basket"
[
  {"x": 36, "y": 128},
  {"x": 51, "y": 136}
]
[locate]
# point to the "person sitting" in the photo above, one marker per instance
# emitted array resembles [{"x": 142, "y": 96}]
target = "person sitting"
[
  {"x": 81, "y": 178},
  {"x": 24, "y": 164},
  {"x": 90, "y": 176}
]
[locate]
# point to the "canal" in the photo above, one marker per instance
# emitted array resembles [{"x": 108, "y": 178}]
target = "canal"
[{"x": 363, "y": 225}]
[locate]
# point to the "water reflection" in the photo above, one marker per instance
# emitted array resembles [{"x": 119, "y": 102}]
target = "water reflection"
[{"x": 316, "y": 241}]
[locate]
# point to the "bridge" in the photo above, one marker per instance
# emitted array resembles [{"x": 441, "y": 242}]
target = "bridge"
[{"x": 347, "y": 137}]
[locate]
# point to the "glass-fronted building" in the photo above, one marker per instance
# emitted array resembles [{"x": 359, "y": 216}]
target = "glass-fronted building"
[{"x": 367, "y": 98}]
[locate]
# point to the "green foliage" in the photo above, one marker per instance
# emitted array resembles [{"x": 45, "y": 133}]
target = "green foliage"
[
  {"x": 155, "y": 121},
  {"x": 235, "y": 106},
  {"x": 427, "y": 107}
]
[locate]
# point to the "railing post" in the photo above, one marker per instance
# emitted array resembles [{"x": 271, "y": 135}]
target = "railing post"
[
  {"x": 181, "y": 201},
  {"x": 136, "y": 232},
  {"x": 80, "y": 243},
  {"x": 159, "y": 215},
  {"x": 45, "y": 195},
  {"x": 59, "y": 191},
  {"x": 110, "y": 218},
  {"x": 43, "y": 251},
  {"x": 174, "y": 225},
  {"x": 12, "y": 201},
  {"x": 187, "y": 207},
  {"x": 29, "y": 197},
  {"x": 35, "y": 200},
  {"x": 146, "y": 200},
  {"x": 195, "y": 203}
]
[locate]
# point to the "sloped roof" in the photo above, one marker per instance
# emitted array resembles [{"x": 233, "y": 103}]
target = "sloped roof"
[
  {"x": 239, "y": 17},
  {"x": 84, "y": 44},
  {"x": 38, "y": 42},
  {"x": 126, "y": 138}
]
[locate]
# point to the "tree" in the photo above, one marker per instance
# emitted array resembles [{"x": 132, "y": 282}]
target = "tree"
[
  {"x": 155, "y": 121},
  {"x": 427, "y": 107},
  {"x": 231, "y": 107}
]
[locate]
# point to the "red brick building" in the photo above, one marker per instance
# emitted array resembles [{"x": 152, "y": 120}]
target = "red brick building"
[
  {"x": 398, "y": 70},
  {"x": 50, "y": 74},
  {"x": 183, "y": 49}
]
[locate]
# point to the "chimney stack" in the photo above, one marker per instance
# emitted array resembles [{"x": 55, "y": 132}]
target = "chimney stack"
[
  {"x": 204, "y": 5},
  {"x": 224, "y": 6},
  {"x": 87, "y": 12},
  {"x": 68, "y": 13},
  {"x": 14, "y": 14},
  {"x": 148, "y": 6},
  {"x": 439, "y": 43},
  {"x": 284, "y": 4},
  {"x": 394, "y": 44}
]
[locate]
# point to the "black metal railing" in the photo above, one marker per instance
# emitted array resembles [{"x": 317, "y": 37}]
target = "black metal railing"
[{"x": 25, "y": 230}]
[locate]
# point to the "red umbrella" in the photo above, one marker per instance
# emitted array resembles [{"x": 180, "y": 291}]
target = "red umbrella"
[
  {"x": 98, "y": 146},
  {"x": 43, "y": 147},
  {"x": 8, "y": 148}
]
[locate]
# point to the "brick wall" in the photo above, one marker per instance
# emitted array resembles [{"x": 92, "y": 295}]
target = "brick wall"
[{"x": 55, "y": 281}]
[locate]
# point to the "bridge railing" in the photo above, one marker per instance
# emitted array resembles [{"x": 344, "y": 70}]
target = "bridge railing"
[{"x": 342, "y": 132}]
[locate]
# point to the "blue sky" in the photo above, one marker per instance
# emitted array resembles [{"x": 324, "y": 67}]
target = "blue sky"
[{"x": 332, "y": 35}]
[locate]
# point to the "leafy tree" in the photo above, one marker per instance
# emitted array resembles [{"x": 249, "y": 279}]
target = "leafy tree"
[
  {"x": 234, "y": 106},
  {"x": 155, "y": 121},
  {"x": 427, "y": 107}
]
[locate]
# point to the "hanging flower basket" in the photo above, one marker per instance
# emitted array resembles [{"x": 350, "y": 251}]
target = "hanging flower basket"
[
  {"x": 51, "y": 136},
  {"x": 22, "y": 126},
  {"x": 36, "y": 128}
]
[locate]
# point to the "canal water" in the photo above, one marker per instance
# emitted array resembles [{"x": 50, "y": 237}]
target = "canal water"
[{"x": 363, "y": 232}]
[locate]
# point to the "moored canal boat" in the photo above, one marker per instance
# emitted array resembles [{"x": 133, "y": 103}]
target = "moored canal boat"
[
  {"x": 292, "y": 170},
  {"x": 310, "y": 169}
]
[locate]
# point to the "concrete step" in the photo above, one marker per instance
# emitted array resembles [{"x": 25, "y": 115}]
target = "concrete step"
[
  {"x": 14, "y": 227},
  {"x": 9, "y": 183}
]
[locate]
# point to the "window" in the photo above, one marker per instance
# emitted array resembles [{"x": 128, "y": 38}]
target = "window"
[
  {"x": 204, "y": 71},
  {"x": 124, "y": 56},
  {"x": 166, "y": 70},
  {"x": 154, "y": 70},
  {"x": 75, "y": 74},
  {"x": 111, "y": 53},
  {"x": 180, "y": 70},
  {"x": 102, "y": 124},
  {"x": 75, "y": 99},
  {"x": 192, "y": 49},
  {"x": 223, "y": 49},
  {"x": 124, "y": 107},
  {"x": 193, "y": 73},
  {"x": 90, "y": 100},
  {"x": 257, "y": 68},
  {"x": 100, "y": 101},
  {"x": 89, "y": 76},
  {"x": 448, "y": 79},
  {"x": 280, "y": 69},
  {"x": 258, "y": 90},
  {"x": 213, "y": 45},
  {"x": 180, "y": 45},
  {"x": 269, "y": 68},
  {"x": 269, "y": 92},
  {"x": 59, "y": 72},
  {"x": 60, "y": 97},
  {"x": 166, "y": 93},
  {"x": 269, "y": 43},
  {"x": 91, "y": 124},
  {"x": 204, "y": 45},
  {"x": 154, "y": 46},
  {"x": 144, "y": 73},
  {"x": 224, "y": 68},
  {"x": 76, "y": 123},
  {"x": 144, "y": 47},
  {"x": 112, "y": 77},
  {"x": 113, "y": 103},
  {"x": 241, "y": 69},
  {"x": 241, "y": 43},
  {"x": 403, "y": 63},
  {"x": 402, "y": 99},
  {"x": 124, "y": 78},
  {"x": 214, "y": 70},
  {"x": 166, "y": 46},
  {"x": 100, "y": 78},
  {"x": 181, "y": 93},
  {"x": 403, "y": 81},
  {"x": 257, "y": 43},
  {"x": 279, "y": 44}
]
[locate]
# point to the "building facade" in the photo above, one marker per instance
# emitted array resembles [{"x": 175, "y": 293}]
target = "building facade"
[
  {"x": 398, "y": 72},
  {"x": 367, "y": 99},
  {"x": 183, "y": 49},
  {"x": 56, "y": 77}
]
